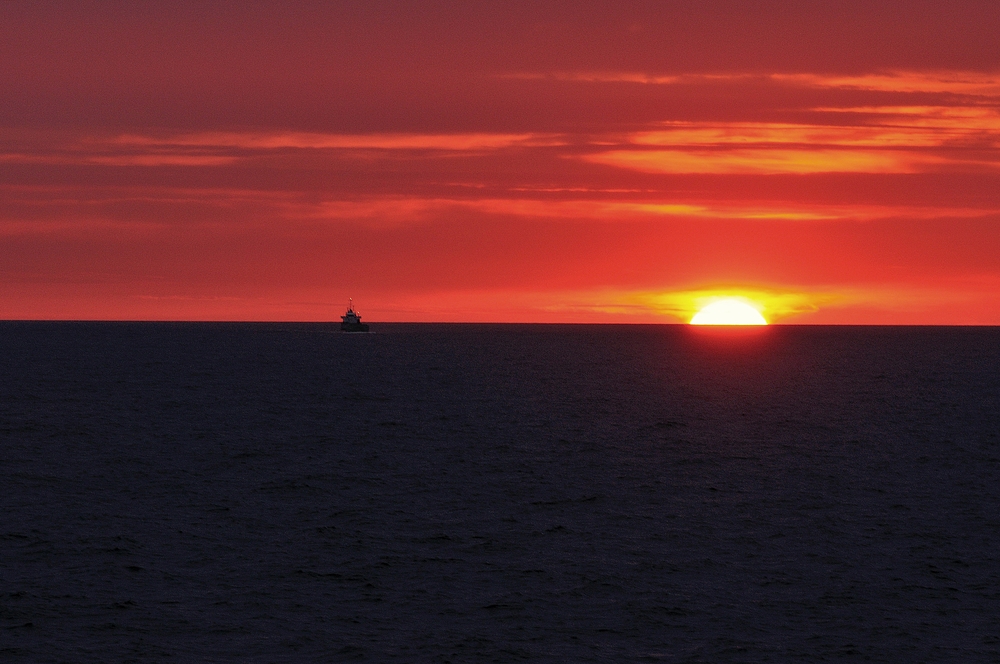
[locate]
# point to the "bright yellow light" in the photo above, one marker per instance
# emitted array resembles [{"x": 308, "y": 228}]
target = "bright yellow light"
[{"x": 729, "y": 311}]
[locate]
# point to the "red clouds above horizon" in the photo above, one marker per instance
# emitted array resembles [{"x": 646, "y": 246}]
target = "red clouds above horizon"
[{"x": 449, "y": 162}]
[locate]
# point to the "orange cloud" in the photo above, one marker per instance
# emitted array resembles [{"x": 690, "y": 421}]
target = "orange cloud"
[
  {"x": 898, "y": 139},
  {"x": 153, "y": 159},
  {"x": 218, "y": 148},
  {"x": 597, "y": 77},
  {"x": 954, "y": 82},
  {"x": 949, "y": 123},
  {"x": 273, "y": 140},
  {"x": 403, "y": 210},
  {"x": 894, "y": 127},
  {"x": 159, "y": 160},
  {"x": 767, "y": 161},
  {"x": 972, "y": 83}
]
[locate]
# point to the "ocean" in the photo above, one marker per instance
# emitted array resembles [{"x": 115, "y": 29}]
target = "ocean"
[{"x": 233, "y": 492}]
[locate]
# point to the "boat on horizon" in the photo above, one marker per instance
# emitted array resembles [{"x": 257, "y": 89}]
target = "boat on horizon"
[{"x": 352, "y": 320}]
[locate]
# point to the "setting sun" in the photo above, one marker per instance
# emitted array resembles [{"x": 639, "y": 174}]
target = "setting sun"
[{"x": 728, "y": 311}]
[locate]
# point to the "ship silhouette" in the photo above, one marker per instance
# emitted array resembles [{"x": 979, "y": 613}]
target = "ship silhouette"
[{"x": 352, "y": 320}]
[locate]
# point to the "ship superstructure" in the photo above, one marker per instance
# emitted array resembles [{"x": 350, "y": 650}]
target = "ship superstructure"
[{"x": 352, "y": 320}]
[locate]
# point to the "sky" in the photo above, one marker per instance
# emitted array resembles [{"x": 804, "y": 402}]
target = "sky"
[{"x": 834, "y": 162}]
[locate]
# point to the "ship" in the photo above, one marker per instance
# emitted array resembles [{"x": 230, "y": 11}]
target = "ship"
[{"x": 352, "y": 320}]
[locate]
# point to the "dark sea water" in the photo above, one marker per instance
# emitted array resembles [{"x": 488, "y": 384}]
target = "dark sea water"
[{"x": 492, "y": 493}]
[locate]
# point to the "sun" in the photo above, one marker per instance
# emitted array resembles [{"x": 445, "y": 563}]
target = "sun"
[{"x": 729, "y": 311}]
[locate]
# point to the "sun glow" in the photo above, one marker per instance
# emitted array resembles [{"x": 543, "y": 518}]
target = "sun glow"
[{"x": 729, "y": 311}]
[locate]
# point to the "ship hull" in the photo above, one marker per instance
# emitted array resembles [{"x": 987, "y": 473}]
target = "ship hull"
[{"x": 354, "y": 327}]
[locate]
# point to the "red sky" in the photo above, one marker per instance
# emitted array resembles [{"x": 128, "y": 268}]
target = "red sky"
[{"x": 836, "y": 162}]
